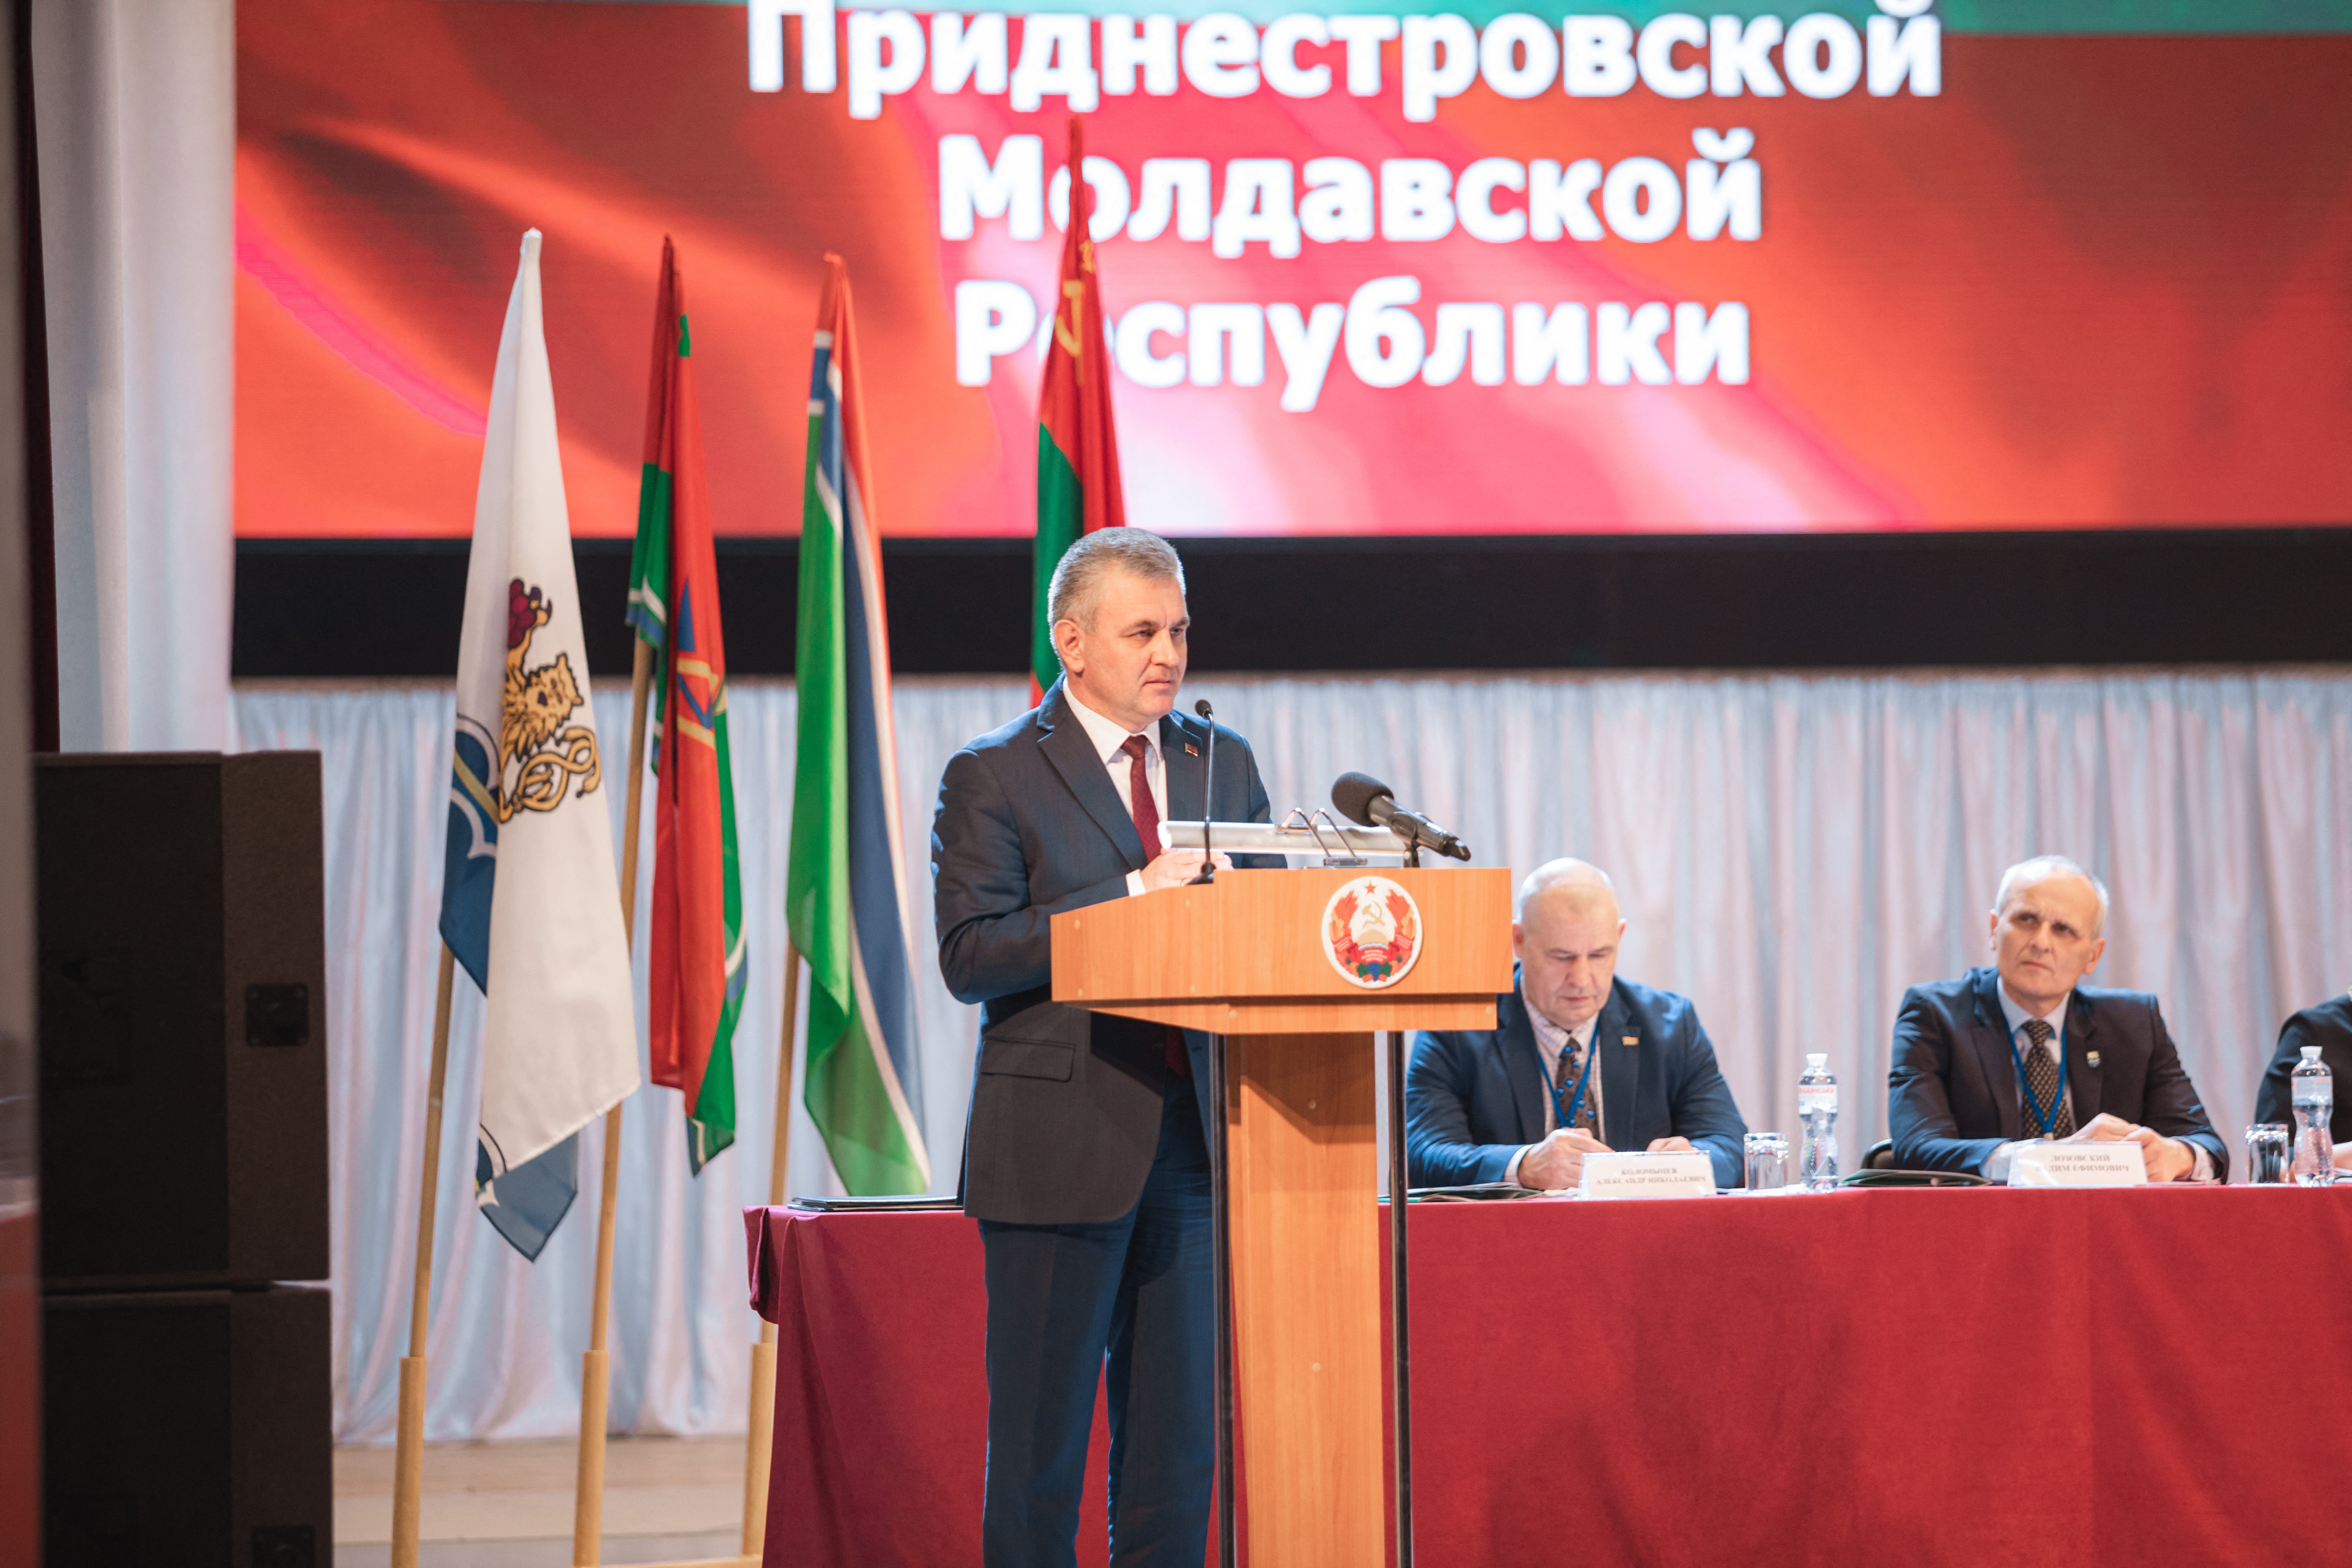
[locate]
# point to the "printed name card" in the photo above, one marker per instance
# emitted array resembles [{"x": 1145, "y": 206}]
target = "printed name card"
[
  {"x": 2042, "y": 1164},
  {"x": 1674, "y": 1175}
]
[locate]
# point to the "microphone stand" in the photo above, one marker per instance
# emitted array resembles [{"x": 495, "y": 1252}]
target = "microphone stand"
[
  {"x": 1208, "y": 871},
  {"x": 1220, "y": 1234}
]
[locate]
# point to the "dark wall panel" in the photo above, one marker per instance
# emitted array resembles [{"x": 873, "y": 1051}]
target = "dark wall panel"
[{"x": 344, "y": 608}]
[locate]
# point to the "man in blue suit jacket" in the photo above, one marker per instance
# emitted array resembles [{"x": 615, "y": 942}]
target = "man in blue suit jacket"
[
  {"x": 2098, "y": 1065},
  {"x": 1086, "y": 1155},
  {"x": 1580, "y": 1061}
]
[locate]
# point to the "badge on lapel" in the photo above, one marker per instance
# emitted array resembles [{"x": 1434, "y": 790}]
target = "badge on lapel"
[
  {"x": 1629, "y": 1040},
  {"x": 2092, "y": 1057},
  {"x": 1190, "y": 750}
]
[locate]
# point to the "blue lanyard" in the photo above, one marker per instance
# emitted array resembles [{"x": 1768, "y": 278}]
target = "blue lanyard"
[
  {"x": 2046, "y": 1120},
  {"x": 1566, "y": 1113}
]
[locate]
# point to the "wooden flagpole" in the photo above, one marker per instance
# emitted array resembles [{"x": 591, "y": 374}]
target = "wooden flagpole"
[
  {"x": 408, "y": 1472},
  {"x": 596, "y": 1365},
  {"x": 764, "y": 1351},
  {"x": 761, "y": 1433}
]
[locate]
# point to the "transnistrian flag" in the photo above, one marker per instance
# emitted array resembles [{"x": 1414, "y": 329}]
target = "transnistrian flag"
[
  {"x": 1078, "y": 451},
  {"x": 845, "y": 894},
  {"x": 529, "y": 900},
  {"x": 697, "y": 957}
]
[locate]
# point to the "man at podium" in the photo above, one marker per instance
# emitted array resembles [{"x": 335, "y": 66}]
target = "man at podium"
[
  {"x": 1581, "y": 1061},
  {"x": 1086, "y": 1153}
]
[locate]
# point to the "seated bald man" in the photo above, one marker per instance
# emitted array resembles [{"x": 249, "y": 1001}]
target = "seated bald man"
[
  {"x": 1581, "y": 1061},
  {"x": 2022, "y": 1050}
]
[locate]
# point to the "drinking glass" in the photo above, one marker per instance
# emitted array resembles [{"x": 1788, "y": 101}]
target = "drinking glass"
[
  {"x": 1767, "y": 1161},
  {"x": 2269, "y": 1153}
]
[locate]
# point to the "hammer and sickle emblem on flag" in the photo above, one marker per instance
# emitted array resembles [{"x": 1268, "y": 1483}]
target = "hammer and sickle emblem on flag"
[{"x": 1069, "y": 322}]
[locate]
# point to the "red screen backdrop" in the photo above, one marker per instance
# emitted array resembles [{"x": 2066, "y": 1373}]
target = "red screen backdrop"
[{"x": 2037, "y": 282}]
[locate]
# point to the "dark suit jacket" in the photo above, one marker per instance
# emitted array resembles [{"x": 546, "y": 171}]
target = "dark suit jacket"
[
  {"x": 2328, "y": 1026},
  {"x": 1065, "y": 1105},
  {"x": 1475, "y": 1096},
  {"x": 1951, "y": 1093}
]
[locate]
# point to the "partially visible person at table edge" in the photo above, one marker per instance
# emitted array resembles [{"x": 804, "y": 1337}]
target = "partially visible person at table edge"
[
  {"x": 2329, "y": 1027},
  {"x": 1580, "y": 1062},
  {"x": 2024, "y": 1050}
]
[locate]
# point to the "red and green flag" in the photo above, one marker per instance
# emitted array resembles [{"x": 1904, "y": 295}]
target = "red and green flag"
[
  {"x": 697, "y": 958},
  {"x": 1078, "y": 451}
]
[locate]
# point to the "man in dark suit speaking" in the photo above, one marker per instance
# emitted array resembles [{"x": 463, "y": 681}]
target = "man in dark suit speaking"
[
  {"x": 2023, "y": 1050},
  {"x": 1579, "y": 1062},
  {"x": 1086, "y": 1156}
]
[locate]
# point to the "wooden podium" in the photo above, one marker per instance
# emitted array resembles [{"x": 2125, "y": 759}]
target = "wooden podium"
[{"x": 1296, "y": 1188}]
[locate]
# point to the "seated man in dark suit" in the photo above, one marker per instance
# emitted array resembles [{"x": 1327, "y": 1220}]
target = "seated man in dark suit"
[
  {"x": 2328, "y": 1026},
  {"x": 1523, "y": 1101},
  {"x": 2023, "y": 1050}
]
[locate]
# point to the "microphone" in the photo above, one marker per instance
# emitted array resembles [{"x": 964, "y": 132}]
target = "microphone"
[
  {"x": 1364, "y": 799},
  {"x": 1208, "y": 871}
]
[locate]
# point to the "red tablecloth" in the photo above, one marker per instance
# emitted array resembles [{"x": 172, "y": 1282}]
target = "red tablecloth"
[{"x": 1975, "y": 1377}]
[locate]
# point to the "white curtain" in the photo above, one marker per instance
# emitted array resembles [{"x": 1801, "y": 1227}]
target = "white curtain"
[
  {"x": 135, "y": 113},
  {"x": 1792, "y": 852}
]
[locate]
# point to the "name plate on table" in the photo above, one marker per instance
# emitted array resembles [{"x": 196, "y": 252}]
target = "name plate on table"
[
  {"x": 2078, "y": 1165},
  {"x": 1647, "y": 1176}
]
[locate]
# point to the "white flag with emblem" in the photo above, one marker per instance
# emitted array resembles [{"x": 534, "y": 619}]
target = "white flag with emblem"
[{"x": 531, "y": 902}]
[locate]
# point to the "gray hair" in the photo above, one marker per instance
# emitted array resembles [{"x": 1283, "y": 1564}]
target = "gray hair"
[
  {"x": 2025, "y": 873},
  {"x": 1587, "y": 878},
  {"x": 1076, "y": 587}
]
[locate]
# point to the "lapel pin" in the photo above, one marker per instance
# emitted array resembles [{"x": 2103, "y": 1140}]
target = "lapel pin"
[
  {"x": 1630, "y": 1040},
  {"x": 1190, "y": 750},
  {"x": 2093, "y": 1057}
]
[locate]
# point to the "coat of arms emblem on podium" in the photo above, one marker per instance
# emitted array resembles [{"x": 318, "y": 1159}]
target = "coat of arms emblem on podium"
[{"x": 1371, "y": 931}]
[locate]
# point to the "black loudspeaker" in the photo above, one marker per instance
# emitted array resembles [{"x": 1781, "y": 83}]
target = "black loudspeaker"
[
  {"x": 182, "y": 996},
  {"x": 188, "y": 1427}
]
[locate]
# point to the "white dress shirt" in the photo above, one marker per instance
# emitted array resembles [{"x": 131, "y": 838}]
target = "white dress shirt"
[
  {"x": 1996, "y": 1163},
  {"x": 1550, "y": 1041},
  {"x": 1110, "y": 741}
]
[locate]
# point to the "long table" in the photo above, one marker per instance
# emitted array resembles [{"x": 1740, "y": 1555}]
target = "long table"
[{"x": 1963, "y": 1376}]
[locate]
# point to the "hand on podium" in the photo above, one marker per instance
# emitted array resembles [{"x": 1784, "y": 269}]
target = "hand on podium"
[{"x": 1176, "y": 866}]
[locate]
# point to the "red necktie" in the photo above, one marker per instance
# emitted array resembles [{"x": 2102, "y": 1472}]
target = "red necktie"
[
  {"x": 1146, "y": 812},
  {"x": 1139, "y": 804}
]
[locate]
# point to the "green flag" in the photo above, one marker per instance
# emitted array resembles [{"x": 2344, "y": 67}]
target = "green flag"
[{"x": 846, "y": 892}]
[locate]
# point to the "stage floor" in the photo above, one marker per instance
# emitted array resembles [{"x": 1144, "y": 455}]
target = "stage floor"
[{"x": 508, "y": 1505}]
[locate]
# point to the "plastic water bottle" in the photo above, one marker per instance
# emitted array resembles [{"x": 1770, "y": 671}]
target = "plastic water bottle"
[
  {"x": 1817, "y": 1166},
  {"x": 2314, "y": 1106}
]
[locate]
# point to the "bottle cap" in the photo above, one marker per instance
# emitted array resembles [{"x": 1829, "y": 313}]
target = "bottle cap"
[
  {"x": 1821, "y": 1059},
  {"x": 2311, "y": 1053}
]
